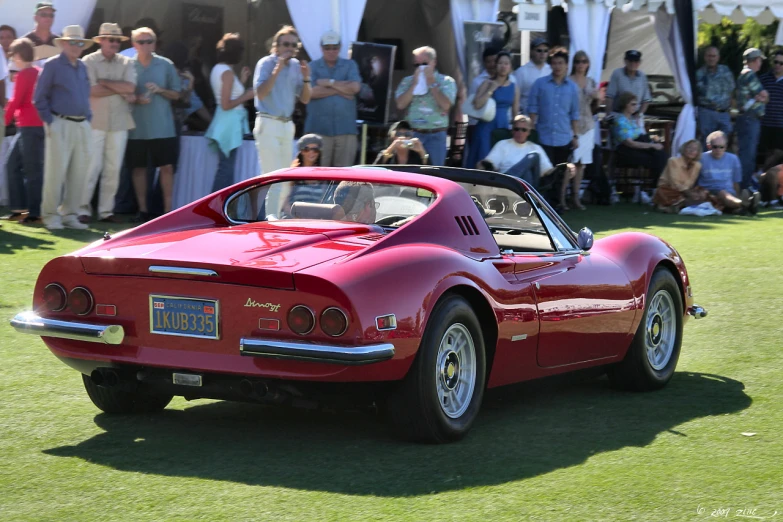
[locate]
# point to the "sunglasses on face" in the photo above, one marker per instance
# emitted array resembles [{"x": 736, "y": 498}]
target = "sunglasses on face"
[
  {"x": 311, "y": 149},
  {"x": 113, "y": 40},
  {"x": 425, "y": 64},
  {"x": 331, "y": 47},
  {"x": 76, "y": 44},
  {"x": 719, "y": 146},
  {"x": 145, "y": 42},
  {"x": 542, "y": 50},
  {"x": 581, "y": 61},
  {"x": 46, "y": 15},
  {"x": 288, "y": 44},
  {"x": 521, "y": 129},
  {"x": 777, "y": 62}
]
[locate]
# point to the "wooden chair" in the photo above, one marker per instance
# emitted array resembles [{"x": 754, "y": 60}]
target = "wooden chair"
[
  {"x": 458, "y": 134},
  {"x": 627, "y": 178}
]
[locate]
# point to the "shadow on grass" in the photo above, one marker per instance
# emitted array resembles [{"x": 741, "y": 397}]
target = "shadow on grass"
[
  {"x": 522, "y": 431},
  {"x": 10, "y": 242}
]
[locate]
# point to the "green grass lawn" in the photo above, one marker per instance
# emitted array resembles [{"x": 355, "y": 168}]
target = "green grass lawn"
[{"x": 560, "y": 449}]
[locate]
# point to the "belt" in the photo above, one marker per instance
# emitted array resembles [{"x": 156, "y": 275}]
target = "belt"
[
  {"x": 70, "y": 118},
  {"x": 278, "y": 118},
  {"x": 430, "y": 131},
  {"x": 714, "y": 110}
]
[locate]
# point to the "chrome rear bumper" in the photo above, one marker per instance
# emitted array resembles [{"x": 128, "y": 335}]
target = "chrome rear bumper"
[
  {"x": 316, "y": 352},
  {"x": 32, "y": 323},
  {"x": 697, "y": 311}
]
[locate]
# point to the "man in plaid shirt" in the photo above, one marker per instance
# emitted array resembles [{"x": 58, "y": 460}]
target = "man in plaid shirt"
[
  {"x": 751, "y": 101},
  {"x": 715, "y": 84}
]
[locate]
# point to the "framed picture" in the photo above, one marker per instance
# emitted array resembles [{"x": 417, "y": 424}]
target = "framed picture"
[
  {"x": 479, "y": 36},
  {"x": 375, "y": 67},
  {"x": 399, "y": 64}
]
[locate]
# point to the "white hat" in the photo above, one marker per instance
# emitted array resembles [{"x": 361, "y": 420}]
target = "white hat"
[
  {"x": 330, "y": 38},
  {"x": 73, "y": 33}
]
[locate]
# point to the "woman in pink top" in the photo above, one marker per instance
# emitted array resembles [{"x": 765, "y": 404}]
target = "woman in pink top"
[{"x": 26, "y": 193}]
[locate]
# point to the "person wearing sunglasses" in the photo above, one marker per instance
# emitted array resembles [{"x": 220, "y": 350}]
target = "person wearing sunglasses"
[
  {"x": 589, "y": 100},
  {"x": 751, "y": 100},
  {"x": 331, "y": 112},
  {"x": 62, "y": 98},
  {"x": 155, "y": 136},
  {"x": 44, "y": 19},
  {"x": 772, "y": 122},
  {"x": 721, "y": 175},
  {"x": 629, "y": 79},
  {"x": 112, "y": 86},
  {"x": 536, "y": 68},
  {"x": 633, "y": 146},
  {"x": 279, "y": 81},
  {"x": 405, "y": 148}
]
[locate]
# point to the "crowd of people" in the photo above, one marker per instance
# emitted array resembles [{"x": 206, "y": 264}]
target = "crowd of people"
[{"x": 82, "y": 118}]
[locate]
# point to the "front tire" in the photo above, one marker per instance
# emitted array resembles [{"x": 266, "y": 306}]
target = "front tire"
[
  {"x": 112, "y": 400},
  {"x": 441, "y": 396},
  {"x": 652, "y": 357}
]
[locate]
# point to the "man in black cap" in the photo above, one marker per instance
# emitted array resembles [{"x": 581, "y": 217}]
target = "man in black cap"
[
  {"x": 629, "y": 79},
  {"x": 536, "y": 68}
]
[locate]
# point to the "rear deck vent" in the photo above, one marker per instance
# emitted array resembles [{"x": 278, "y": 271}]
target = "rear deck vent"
[
  {"x": 466, "y": 225},
  {"x": 372, "y": 237}
]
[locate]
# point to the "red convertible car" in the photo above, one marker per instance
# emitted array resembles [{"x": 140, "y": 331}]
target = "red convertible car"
[{"x": 414, "y": 287}]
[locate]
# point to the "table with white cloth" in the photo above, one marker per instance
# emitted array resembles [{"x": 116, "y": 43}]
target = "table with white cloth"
[
  {"x": 5, "y": 149},
  {"x": 198, "y": 162}
]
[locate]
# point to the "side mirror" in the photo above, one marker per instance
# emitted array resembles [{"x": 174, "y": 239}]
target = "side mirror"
[{"x": 585, "y": 239}]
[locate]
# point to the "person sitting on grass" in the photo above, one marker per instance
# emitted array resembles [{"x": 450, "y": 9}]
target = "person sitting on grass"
[
  {"x": 721, "y": 174},
  {"x": 771, "y": 181},
  {"x": 677, "y": 185}
]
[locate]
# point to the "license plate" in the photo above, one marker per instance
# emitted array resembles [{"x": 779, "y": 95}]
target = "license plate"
[{"x": 184, "y": 316}]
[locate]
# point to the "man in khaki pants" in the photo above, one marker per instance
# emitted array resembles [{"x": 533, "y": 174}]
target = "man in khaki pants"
[
  {"x": 113, "y": 84},
  {"x": 62, "y": 98}
]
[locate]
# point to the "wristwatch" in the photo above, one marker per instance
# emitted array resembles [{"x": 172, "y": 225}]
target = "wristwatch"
[{"x": 331, "y": 81}]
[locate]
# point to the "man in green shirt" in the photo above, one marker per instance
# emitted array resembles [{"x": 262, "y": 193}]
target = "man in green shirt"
[{"x": 751, "y": 101}]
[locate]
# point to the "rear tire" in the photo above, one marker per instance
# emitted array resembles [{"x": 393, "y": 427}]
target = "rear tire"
[
  {"x": 652, "y": 357},
  {"x": 112, "y": 400},
  {"x": 441, "y": 396}
]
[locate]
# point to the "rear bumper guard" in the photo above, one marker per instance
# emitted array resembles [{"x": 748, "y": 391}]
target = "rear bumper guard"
[
  {"x": 354, "y": 355},
  {"x": 697, "y": 311},
  {"x": 32, "y": 323}
]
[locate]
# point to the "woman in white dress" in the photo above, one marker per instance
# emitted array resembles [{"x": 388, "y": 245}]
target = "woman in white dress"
[{"x": 588, "y": 100}]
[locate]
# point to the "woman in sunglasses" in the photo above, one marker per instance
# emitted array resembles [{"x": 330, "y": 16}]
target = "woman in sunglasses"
[
  {"x": 589, "y": 97},
  {"x": 404, "y": 149},
  {"x": 632, "y": 145},
  {"x": 307, "y": 191}
]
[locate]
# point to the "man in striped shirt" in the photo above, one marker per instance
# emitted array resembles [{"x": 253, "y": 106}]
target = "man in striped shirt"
[{"x": 772, "y": 123}]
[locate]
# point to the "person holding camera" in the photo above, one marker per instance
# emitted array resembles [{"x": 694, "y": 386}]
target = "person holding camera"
[{"x": 405, "y": 149}]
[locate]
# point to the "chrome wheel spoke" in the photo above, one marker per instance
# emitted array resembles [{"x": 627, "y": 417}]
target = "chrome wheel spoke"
[
  {"x": 455, "y": 372},
  {"x": 660, "y": 329}
]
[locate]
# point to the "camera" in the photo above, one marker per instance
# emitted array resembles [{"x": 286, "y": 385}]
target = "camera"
[{"x": 407, "y": 144}]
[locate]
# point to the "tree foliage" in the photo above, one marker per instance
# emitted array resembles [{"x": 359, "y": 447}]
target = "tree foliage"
[{"x": 732, "y": 40}]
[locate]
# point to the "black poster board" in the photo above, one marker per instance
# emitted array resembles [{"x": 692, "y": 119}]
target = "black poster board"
[{"x": 375, "y": 62}]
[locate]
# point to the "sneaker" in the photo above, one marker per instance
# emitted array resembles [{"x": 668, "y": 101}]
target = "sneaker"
[
  {"x": 73, "y": 222},
  {"x": 753, "y": 203},
  {"x": 53, "y": 223}
]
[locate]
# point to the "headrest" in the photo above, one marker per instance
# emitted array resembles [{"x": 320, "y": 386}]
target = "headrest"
[{"x": 304, "y": 210}]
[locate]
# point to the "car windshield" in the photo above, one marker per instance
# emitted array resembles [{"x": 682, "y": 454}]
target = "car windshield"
[{"x": 352, "y": 201}]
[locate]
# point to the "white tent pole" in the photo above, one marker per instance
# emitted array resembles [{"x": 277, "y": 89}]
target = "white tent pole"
[{"x": 336, "y": 15}]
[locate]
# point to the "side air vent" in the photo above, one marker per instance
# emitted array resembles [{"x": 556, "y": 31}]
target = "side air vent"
[
  {"x": 466, "y": 225},
  {"x": 372, "y": 237}
]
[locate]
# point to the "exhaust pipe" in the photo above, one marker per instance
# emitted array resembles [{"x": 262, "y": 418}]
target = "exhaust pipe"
[
  {"x": 105, "y": 377},
  {"x": 261, "y": 388},
  {"x": 246, "y": 387}
]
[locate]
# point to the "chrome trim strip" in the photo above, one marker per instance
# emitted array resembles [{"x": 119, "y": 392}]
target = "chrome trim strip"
[
  {"x": 697, "y": 311},
  {"x": 181, "y": 270},
  {"x": 32, "y": 323},
  {"x": 348, "y": 355}
]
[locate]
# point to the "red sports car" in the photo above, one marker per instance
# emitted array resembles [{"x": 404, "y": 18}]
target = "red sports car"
[{"x": 415, "y": 288}]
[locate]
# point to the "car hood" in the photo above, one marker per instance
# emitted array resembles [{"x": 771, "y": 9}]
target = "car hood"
[{"x": 247, "y": 254}]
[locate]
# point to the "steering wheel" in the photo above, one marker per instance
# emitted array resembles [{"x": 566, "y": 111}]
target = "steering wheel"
[{"x": 389, "y": 220}]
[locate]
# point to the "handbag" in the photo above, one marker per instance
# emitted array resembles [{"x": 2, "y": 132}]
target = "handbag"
[{"x": 486, "y": 113}]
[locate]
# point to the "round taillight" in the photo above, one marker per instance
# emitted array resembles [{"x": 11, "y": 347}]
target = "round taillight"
[
  {"x": 55, "y": 297},
  {"x": 301, "y": 320},
  {"x": 334, "y": 322},
  {"x": 80, "y": 301}
]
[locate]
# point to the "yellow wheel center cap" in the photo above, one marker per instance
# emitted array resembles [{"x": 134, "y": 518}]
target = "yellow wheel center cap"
[
  {"x": 656, "y": 329},
  {"x": 450, "y": 370}
]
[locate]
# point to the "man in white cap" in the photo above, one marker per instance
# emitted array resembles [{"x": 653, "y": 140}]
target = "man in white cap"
[
  {"x": 62, "y": 98},
  {"x": 332, "y": 109},
  {"x": 751, "y": 98},
  {"x": 112, "y": 86}
]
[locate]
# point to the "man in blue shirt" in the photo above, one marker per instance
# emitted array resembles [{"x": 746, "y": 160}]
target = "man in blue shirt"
[
  {"x": 721, "y": 174},
  {"x": 553, "y": 107},
  {"x": 62, "y": 98},
  {"x": 279, "y": 80},
  {"x": 331, "y": 112}
]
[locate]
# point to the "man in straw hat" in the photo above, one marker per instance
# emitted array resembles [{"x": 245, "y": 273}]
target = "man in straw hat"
[
  {"x": 112, "y": 86},
  {"x": 62, "y": 98}
]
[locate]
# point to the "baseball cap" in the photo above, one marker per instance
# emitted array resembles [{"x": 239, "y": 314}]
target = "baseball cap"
[
  {"x": 44, "y": 5},
  {"x": 330, "y": 38},
  {"x": 752, "y": 54},
  {"x": 633, "y": 56},
  {"x": 538, "y": 41}
]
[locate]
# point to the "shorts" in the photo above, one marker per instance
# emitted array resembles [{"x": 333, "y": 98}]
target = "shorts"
[
  {"x": 158, "y": 152},
  {"x": 584, "y": 152},
  {"x": 558, "y": 155}
]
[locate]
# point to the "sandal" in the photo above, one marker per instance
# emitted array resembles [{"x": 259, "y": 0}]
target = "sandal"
[{"x": 31, "y": 220}]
